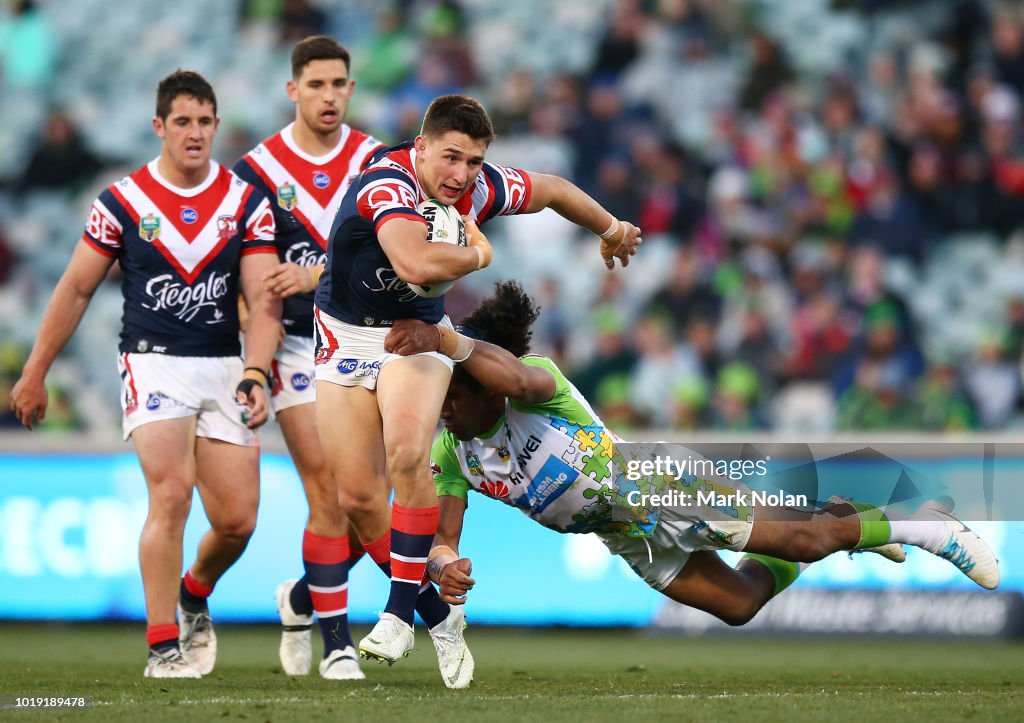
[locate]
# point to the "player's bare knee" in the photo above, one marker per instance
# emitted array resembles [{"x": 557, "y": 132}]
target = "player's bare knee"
[
  {"x": 357, "y": 505},
  {"x": 739, "y": 612},
  {"x": 237, "y": 528},
  {"x": 170, "y": 502}
]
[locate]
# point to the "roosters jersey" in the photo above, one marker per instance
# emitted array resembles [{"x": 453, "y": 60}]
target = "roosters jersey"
[
  {"x": 359, "y": 286},
  {"x": 552, "y": 460},
  {"x": 179, "y": 251},
  {"x": 305, "y": 193}
]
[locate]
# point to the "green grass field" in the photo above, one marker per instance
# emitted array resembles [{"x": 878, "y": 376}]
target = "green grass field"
[{"x": 535, "y": 675}]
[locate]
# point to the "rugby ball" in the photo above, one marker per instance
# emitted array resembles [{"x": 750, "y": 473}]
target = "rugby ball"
[{"x": 444, "y": 225}]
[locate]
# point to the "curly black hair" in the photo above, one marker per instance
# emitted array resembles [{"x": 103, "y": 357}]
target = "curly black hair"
[{"x": 504, "y": 318}]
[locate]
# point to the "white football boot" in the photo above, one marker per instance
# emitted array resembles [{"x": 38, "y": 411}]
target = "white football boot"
[
  {"x": 169, "y": 664},
  {"x": 341, "y": 665},
  {"x": 296, "y": 651},
  {"x": 390, "y": 640},
  {"x": 961, "y": 546},
  {"x": 453, "y": 656},
  {"x": 197, "y": 639}
]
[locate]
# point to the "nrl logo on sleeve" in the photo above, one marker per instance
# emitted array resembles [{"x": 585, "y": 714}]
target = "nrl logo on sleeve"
[
  {"x": 149, "y": 228},
  {"x": 286, "y": 197}
]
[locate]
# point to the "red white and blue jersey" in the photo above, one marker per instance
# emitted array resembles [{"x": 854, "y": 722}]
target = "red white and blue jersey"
[
  {"x": 359, "y": 285},
  {"x": 308, "y": 192},
  {"x": 180, "y": 251}
]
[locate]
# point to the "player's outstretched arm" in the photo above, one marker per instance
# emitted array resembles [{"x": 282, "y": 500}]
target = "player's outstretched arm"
[
  {"x": 417, "y": 262},
  {"x": 63, "y": 314},
  {"x": 497, "y": 369},
  {"x": 619, "y": 239},
  {"x": 445, "y": 567},
  {"x": 261, "y": 337}
]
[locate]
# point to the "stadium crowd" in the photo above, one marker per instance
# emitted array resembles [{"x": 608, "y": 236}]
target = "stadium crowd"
[{"x": 830, "y": 191}]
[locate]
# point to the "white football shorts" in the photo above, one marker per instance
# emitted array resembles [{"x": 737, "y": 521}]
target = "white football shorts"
[
  {"x": 352, "y": 355},
  {"x": 292, "y": 377},
  {"x": 155, "y": 387},
  {"x": 680, "y": 531}
]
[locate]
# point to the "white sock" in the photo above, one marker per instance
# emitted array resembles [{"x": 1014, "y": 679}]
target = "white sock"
[{"x": 928, "y": 534}]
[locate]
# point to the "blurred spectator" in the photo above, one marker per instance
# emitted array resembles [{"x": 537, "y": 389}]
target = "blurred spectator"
[
  {"x": 890, "y": 221},
  {"x": 686, "y": 294},
  {"x": 662, "y": 363},
  {"x": 299, "y": 19},
  {"x": 993, "y": 380},
  {"x": 882, "y": 347},
  {"x": 28, "y": 48},
  {"x": 60, "y": 161},
  {"x": 943, "y": 403},
  {"x": 736, "y": 393},
  {"x": 621, "y": 42},
  {"x": 388, "y": 56},
  {"x": 769, "y": 71},
  {"x": 611, "y": 355},
  {"x": 876, "y": 400}
]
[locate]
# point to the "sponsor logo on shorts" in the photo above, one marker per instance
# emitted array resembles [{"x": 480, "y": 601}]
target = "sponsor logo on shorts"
[
  {"x": 159, "y": 399},
  {"x": 347, "y": 366},
  {"x": 300, "y": 381},
  {"x": 321, "y": 180},
  {"x": 189, "y": 215},
  {"x": 368, "y": 369}
]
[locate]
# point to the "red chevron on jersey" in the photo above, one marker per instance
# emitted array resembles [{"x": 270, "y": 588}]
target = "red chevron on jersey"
[
  {"x": 311, "y": 188},
  {"x": 188, "y": 230}
]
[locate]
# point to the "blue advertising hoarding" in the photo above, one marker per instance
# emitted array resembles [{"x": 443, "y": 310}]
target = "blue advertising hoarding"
[{"x": 69, "y": 528}]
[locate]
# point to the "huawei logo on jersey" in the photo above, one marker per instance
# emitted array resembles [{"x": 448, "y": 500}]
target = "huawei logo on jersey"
[{"x": 494, "y": 489}]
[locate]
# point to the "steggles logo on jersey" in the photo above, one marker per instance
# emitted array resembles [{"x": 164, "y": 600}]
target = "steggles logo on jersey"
[
  {"x": 387, "y": 280},
  {"x": 185, "y": 302},
  {"x": 286, "y": 197},
  {"x": 321, "y": 180},
  {"x": 189, "y": 215},
  {"x": 227, "y": 226},
  {"x": 149, "y": 228},
  {"x": 305, "y": 254}
]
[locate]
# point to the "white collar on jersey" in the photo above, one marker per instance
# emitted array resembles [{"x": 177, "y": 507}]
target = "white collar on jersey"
[
  {"x": 187, "y": 192},
  {"x": 289, "y": 140}
]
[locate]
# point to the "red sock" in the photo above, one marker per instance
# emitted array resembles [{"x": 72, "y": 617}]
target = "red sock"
[
  {"x": 195, "y": 587},
  {"x": 156, "y": 634}
]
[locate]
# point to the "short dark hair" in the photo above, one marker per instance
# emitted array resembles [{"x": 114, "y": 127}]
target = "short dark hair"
[
  {"x": 458, "y": 113},
  {"x": 183, "y": 82},
  {"x": 317, "y": 47}
]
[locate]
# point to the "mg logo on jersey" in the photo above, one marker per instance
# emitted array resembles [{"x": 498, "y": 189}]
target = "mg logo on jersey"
[
  {"x": 227, "y": 226},
  {"x": 347, "y": 366},
  {"x": 189, "y": 215},
  {"x": 321, "y": 180},
  {"x": 286, "y": 197},
  {"x": 149, "y": 228}
]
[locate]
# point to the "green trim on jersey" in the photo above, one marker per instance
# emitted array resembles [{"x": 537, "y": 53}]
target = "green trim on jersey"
[
  {"x": 449, "y": 480},
  {"x": 562, "y": 404}
]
